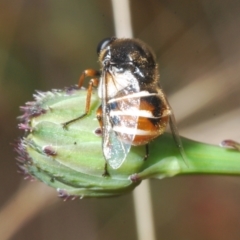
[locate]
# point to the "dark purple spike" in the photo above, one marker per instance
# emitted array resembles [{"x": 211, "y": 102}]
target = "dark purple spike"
[
  {"x": 25, "y": 127},
  {"x": 135, "y": 178},
  {"x": 49, "y": 150},
  {"x": 98, "y": 132},
  {"x": 30, "y": 111},
  {"x": 72, "y": 89},
  {"x": 230, "y": 143},
  {"x": 65, "y": 196}
]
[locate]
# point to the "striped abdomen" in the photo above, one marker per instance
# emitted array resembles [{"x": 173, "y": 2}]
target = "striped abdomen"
[{"x": 138, "y": 118}]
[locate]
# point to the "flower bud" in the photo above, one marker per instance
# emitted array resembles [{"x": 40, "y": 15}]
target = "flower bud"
[{"x": 70, "y": 159}]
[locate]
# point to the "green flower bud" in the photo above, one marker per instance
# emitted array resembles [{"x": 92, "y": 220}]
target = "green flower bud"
[{"x": 71, "y": 159}]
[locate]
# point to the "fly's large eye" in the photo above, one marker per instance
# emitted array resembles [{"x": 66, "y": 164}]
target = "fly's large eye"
[{"x": 104, "y": 43}]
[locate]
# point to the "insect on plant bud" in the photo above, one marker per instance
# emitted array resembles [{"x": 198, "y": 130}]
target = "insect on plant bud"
[
  {"x": 107, "y": 154},
  {"x": 88, "y": 143}
]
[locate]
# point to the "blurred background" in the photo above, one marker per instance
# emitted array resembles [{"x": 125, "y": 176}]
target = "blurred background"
[{"x": 47, "y": 44}]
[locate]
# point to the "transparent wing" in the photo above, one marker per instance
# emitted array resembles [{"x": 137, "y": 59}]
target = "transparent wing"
[
  {"x": 119, "y": 120},
  {"x": 115, "y": 151}
]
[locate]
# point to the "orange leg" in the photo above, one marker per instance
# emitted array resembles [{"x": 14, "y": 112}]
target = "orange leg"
[
  {"x": 92, "y": 83},
  {"x": 99, "y": 116},
  {"x": 87, "y": 73}
]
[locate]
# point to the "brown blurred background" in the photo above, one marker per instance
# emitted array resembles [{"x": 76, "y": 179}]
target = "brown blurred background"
[{"x": 46, "y": 44}]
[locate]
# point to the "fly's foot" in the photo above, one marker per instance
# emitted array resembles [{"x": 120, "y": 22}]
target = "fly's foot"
[
  {"x": 64, "y": 125},
  {"x": 146, "y": 153},
  {"x": 105, "y": 173}
]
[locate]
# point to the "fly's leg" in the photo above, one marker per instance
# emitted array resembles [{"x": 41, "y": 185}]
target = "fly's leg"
[
  {"x": 99, "y": 118},
  {"x": 88, "y": 73},
  {"x": 92, "y": 83},
  {"x": 146, "y": 152},
  {"x": 105, "y": 173},
  {"x": 177, "y": 138}
]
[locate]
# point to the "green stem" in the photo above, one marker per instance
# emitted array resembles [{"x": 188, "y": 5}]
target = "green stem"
[{"x": 201, "y": 159}]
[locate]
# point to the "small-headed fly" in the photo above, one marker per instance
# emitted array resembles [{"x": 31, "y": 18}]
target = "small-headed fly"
[{"x": 134, "y": 109}]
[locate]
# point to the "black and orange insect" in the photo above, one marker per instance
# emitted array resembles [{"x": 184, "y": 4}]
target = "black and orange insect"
[{"x": 134, "y": 109}]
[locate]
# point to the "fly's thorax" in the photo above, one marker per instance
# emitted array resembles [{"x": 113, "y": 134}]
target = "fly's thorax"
[{"x": 113, "y": 82}]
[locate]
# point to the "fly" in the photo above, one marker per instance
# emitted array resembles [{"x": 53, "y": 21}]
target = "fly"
[{"x": 134, "y": 109}]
